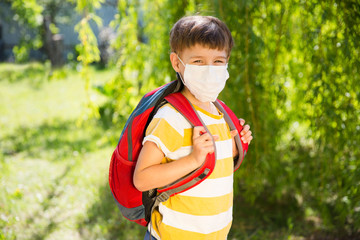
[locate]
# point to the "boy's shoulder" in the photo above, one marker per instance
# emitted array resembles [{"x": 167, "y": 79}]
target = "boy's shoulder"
[{"x": 167, "y": 113}]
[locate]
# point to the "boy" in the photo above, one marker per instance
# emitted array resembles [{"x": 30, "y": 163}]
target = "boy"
[{"x": 201, "y": 47}]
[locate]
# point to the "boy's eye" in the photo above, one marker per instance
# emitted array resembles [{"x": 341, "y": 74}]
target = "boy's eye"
[{"x": 220, "y": 62}]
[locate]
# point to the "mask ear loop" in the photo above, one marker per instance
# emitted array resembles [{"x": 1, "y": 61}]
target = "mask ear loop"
[
  {"x": 184, "y": 67},
  {"x": 180, "y": 60}
]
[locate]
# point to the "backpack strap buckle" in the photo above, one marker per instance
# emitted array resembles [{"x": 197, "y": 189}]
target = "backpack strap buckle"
[{"x": 162, "y": 197}]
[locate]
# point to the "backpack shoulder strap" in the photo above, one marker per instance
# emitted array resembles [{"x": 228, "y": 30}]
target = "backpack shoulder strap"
[
  {"x": 130, "y": 141},
  {"x": 233, "y": 123},
  {"x": 183, "y": 106}
]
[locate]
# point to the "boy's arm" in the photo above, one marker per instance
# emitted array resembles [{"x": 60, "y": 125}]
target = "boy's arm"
[{"x": 150, "y": 173}]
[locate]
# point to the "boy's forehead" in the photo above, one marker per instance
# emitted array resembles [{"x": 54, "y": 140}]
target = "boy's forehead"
[{"x": 202, "y": 51}]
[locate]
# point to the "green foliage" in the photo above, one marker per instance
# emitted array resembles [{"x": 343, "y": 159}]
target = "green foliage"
[
  {"x": 88, "y": 5},
  {"x": 297, "y": 86},
  {"x": 88, "y": 50},
  {"x": 142, "y": 44},
  {"x": 27, "y": 14},
  {"x": 31, "y": 17},
  {"x": 294, "y": 78},
  {"x": 330, "y": 104}
]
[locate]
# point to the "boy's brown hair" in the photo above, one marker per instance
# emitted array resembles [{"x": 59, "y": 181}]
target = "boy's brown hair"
[{"x": 204, "y": 30}]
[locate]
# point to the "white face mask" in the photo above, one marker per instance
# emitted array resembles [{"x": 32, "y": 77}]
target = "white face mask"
[{"x": 205, "y": 82}]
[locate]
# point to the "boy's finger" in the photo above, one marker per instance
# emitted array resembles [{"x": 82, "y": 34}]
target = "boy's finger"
[
  {"x": 245, "y": 129},
  {"x": 247, "y": 139},
  {"x": 198, "y": 131},
  {"x": 242, "y": 121},
  {"x": 248, "y": 134},
  {"x": 204, "y": 137},
  {"x": 233, "y": 133}
]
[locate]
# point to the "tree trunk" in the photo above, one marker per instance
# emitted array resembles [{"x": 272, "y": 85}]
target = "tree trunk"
[{"x": 53, "y": 44}]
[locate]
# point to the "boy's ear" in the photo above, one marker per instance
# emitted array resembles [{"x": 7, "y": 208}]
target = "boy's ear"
[{"x": 175, "y": 62}]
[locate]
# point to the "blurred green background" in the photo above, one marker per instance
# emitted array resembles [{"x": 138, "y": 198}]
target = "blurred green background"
[{"x": 294, "y": 77}]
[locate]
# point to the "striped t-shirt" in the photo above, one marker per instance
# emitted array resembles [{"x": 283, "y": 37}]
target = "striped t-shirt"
[{"x": 204, "y": 211}]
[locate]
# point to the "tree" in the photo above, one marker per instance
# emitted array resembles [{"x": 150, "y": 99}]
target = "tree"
[{"x": 42, "y": 18}]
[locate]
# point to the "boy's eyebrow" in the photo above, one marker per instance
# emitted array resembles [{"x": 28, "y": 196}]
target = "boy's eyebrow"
[
  {"x": 197, "y": 57},
  {"x": 204, "y": 56}
]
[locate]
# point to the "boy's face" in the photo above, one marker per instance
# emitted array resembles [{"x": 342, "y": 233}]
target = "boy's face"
[{"x": 198, "y": 55}]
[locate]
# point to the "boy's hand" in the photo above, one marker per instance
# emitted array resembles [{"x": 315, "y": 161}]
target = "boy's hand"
[
  {"x": 245, "y": 134},
  {"x": 202, "y": 144}
]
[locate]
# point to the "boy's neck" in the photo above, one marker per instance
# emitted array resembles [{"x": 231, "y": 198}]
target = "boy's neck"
[{"x": 207, "y": 106}]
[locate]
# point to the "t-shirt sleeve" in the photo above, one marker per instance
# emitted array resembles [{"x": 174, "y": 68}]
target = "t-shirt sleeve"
[{"x": 163, "y": 133}]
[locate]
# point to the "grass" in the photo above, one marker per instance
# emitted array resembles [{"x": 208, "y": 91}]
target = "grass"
[{"x": 53, "y": 170}]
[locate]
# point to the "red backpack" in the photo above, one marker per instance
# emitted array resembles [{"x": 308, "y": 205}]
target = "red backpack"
[{"x": 135, "y": 205}]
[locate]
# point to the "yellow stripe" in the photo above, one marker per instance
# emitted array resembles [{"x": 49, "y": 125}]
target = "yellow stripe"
[
  {"x": 222, "y": 130},
  {"x": 166, "y": 160},
  {"x": 156, "y": 220},
  {"x": 223, "y": 168},
  {"x": 200, "y": 206},
  {"x": 171, "y": 233},
  {"x": 188, "y": 133},
  {"x": 163, "y": 130}
]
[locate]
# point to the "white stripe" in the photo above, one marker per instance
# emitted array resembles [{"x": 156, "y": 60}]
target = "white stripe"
[
  {"x": 178, "y": 121},
  {"x": 179, "y": 153},
  {"x": 211, "y": 188},
  {"x": 199, "y": 224},
  {"x": 153, "y": 232},
  {"x": 224, "y": 149}
]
